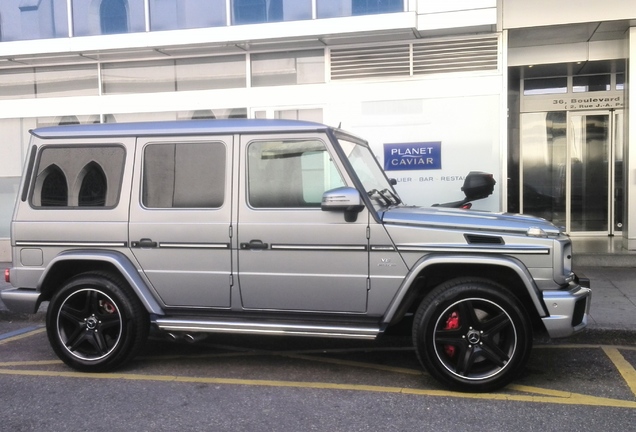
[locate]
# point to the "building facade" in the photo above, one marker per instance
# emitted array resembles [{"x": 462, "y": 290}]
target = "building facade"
[{"x": 438, "y": 87}]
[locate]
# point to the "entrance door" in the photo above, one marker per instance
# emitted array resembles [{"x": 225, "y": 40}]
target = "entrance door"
[{"x": 572, "y": 169}]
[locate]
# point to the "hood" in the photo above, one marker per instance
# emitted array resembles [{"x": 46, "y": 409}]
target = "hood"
[{"x": 450, "y": 218}]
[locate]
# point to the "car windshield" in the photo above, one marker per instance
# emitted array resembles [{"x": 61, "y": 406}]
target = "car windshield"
[{"x": 370, "y": 174}]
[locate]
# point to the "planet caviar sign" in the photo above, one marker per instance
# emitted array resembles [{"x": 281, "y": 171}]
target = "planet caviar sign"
[{"x": 413, "y": 156}]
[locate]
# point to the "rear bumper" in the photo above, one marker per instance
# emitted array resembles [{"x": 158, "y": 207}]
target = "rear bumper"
[
  {"x": 21, "y": 299},
  {"x": 568, "y": 309}
]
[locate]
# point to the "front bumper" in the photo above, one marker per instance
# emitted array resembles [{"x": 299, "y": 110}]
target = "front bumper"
[
  {"x": 21, "y": 300},
  {"x": 568, "y": 309}
]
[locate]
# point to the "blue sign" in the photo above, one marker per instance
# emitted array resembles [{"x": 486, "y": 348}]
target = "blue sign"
[{"x": 413, "y": 156}]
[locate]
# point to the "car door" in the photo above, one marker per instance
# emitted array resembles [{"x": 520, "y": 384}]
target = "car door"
[
  {"x": 292, "y": 255},
  {"x": 180, "y": 219}
]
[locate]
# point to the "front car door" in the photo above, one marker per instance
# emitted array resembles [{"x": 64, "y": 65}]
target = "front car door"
[{"x": 292, "y": 255}]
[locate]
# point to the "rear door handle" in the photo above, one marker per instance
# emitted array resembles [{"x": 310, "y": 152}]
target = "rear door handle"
[
  {"x": 144, "y": 243},
  {"x": 254, "y": 244}
]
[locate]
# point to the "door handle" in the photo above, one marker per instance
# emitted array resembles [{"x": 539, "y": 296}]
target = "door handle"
[
  {"x": 254, "y": 244},
  {"x": 144, "y": 243}
]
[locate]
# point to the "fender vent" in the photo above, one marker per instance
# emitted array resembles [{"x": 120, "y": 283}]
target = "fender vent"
[{"x": 482, "y": 239}]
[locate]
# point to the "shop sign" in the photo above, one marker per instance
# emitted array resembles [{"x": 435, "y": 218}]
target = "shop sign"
[
  {"x": 581, "y": 101},
  {"x": 413, "y": 156}
]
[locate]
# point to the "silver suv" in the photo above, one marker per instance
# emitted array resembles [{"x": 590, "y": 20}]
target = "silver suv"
[{"x": 272, "y": 227}]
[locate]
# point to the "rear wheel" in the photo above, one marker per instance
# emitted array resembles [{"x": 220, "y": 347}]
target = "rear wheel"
[
  {"x": 95, "y": 323},
  {"x": 472, "y": 335}
]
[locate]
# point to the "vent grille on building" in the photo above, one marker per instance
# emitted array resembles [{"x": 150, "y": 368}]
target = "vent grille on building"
[{"x": 420, "y": 58}]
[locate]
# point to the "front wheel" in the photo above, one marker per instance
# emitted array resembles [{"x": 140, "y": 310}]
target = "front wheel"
[
  {"x": 95, "y": 323},
  {"x": 472, "y": 335}
]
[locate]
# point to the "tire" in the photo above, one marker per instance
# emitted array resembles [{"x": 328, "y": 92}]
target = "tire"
[
  {"x": 95, "y": 323},
  {"x": 472, "y": 335}
]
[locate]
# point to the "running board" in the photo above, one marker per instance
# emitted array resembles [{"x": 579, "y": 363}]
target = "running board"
[{"x": 181, "y": 325}]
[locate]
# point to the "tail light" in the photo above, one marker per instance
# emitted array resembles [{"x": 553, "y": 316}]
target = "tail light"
[{"x": 7, "y": 276}]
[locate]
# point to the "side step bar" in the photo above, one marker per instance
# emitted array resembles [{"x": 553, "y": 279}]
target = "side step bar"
[{"x": 204, "y": 326}]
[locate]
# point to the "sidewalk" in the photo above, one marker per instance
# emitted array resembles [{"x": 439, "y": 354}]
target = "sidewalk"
[{"x": 613, "y": 311}]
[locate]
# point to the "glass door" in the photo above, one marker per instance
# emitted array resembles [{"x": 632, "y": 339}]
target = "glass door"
[{"x": 572, "y": 169}]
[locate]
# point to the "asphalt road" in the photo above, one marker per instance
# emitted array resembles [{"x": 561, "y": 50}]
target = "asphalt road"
[{"x": 248, "y": 383}]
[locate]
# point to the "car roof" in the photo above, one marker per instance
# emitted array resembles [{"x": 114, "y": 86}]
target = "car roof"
[{"x": 171, "y": 128}]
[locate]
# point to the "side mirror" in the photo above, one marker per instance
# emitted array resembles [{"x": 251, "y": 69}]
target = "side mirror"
[{"x": 345, "y": 199}]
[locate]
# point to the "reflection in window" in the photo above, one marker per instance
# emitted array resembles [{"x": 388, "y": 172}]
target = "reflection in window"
[
  {"x": 95, "y": 17},
  {"x": 331, "y": 8},
  {"x": 288, "y": 68},
  {"x": 68, "y": 120},
  {"x": 59, "y": 81},
  {"x": 186, "y": 14},
  {"x": 620, "y": 81},
  {"x": 113, "y": 16},
  {"x": 184, "y": 175},
  {"x": 283, "y": 174},
  {"x": 367, "y": 7},
  {"x": 32, "y": 19},
  {"x": 54, "y": 191},
  {"x": 539, "y": 86},
  {"x": 77, "y": 177},
  {"x": 250, "y": 11},
  {"x": 17, "y": 83},
  {"x": 211, "y": 73},
  {"x": 591, "y": 83},
  {"x": 93, "y": 189},
  {"x": 139, "y": 77}
]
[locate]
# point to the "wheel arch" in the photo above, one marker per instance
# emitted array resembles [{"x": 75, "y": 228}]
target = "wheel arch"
[
  {"x": 433, "y": 270},
  {"x": 72, "y": 263}
]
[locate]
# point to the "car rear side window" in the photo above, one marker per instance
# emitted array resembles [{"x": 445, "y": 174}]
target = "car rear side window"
[
  {"x": 184, "y": 175},
  {"x": 79, "y": 177}
]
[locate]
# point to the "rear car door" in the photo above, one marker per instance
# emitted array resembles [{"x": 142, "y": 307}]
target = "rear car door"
[{"x": 180, "y": 219}]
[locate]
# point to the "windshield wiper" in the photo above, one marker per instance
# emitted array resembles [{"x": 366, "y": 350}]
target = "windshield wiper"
[
  {"x": 396, "y": 199},
  {"x": 386, "y": 195}
]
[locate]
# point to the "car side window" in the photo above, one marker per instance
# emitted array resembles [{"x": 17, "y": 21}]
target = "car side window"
[
  {"x": 82, "y": 176},
  {"x": 184, "y": 175},
  {"x": 290, "y": 174}
]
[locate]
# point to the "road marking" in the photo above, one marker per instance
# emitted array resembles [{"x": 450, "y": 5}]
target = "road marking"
[
  {"x": 355, "y": 364},
  {"x": 626, "y": 370},
  {"x": 521, "y": 393},
  {"x": 21, "y": 334},
  {"x": 563, "y": 398}
]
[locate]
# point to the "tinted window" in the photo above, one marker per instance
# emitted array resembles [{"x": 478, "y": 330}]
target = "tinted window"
[
  {"x": 290, "y": 173},
  {"x": 184, "y": 175},
  {"x": 78, "y": 176}
]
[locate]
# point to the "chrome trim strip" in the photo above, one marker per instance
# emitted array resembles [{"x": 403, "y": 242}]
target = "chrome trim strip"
[
  {"x": 319, "y": 247},
  {"x": 473, "y": 249},
  {"x": 194, "y": 245},
  {"x": 260, "y": 328},
  {"x": 383, "y": 248},
  {"x": 70, "y": 244}
]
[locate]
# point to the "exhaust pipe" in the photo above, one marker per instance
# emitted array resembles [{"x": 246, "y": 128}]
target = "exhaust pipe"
[{"x": 197, "y": 337}]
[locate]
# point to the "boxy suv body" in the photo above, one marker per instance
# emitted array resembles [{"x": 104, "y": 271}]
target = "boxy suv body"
[{"x": 272, "y": 227}]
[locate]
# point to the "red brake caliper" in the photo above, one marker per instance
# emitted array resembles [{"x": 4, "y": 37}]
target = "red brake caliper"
[{"x": 452, "y": 323}]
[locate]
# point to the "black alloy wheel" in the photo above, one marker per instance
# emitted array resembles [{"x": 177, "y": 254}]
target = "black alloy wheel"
[
  {"x": 472, "y": 335},
  {"x": 95, "y": 323}
]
